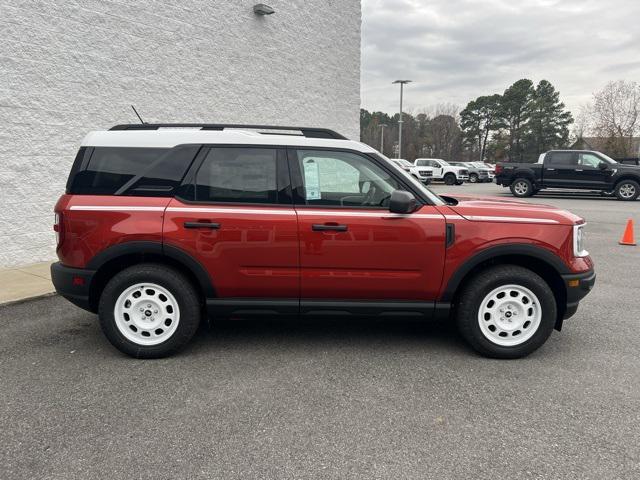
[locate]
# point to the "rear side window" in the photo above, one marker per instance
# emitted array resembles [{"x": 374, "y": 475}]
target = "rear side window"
[
  {"x": 566, "y": 159},
  {"x": 132, "y": 171},
  {"x": 238, "y": 175}
]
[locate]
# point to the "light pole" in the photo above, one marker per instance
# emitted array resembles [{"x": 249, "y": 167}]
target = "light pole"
[
  {"x": 402, "y": 83},
  {"x": 382, "y": 125}
]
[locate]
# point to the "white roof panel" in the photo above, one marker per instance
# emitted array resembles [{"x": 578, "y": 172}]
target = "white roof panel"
[{"x": 170, "y": 137}]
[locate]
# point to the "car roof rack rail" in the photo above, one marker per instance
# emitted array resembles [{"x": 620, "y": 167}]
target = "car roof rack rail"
[{"x": 305, "y": 132}]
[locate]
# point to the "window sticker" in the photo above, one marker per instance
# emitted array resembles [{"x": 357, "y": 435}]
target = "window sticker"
[{"x": 311, "y": 179}]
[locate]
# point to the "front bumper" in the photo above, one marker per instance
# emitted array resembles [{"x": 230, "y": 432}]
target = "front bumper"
[
  {"x": 74, "y": 284},
  {"x": 578, "y": 285}
]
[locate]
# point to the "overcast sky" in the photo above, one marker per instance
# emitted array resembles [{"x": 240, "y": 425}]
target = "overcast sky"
[{"x": 456, "y": 50}]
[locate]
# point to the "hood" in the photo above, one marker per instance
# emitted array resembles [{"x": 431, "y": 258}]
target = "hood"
[{"x": 497, "y": 209}]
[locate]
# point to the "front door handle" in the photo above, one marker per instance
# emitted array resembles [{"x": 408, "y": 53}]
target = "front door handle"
[
  {"x": 210, "y": 225},
  {"x": 328, "y": 227}
]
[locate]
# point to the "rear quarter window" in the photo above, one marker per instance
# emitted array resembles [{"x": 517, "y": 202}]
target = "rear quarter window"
[{"x": 130, "y": 171}]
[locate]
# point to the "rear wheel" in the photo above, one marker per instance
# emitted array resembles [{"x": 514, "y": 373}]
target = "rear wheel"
[
  {"x": 149, "y": 311},
  {"x": 627, "y": 190},
  {"x": 521, "y": 187},
  {"x": 450, "y": 179},
  {"x": 506, "y": 312}
]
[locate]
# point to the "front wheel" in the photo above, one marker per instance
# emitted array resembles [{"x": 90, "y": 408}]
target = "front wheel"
[
  {"x": 149, "y": 311},
  {"x": 506, "y": 312},
  {"x": 521, "y": 187},
  {"x": 473, "y": 178},
  {"x": 627, "y": 190},
  {"x": 449, "y": 179}
]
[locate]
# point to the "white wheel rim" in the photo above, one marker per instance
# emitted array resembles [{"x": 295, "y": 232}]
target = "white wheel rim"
[
  {"x": 627, "y": 190},
  {"x": 146, "y": 314},
  {"x": 520, "y": 188},
  {"x": 509, "y": 315}
]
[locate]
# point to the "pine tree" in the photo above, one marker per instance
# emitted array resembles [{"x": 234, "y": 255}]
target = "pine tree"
[{"x": 549, "y": 121}]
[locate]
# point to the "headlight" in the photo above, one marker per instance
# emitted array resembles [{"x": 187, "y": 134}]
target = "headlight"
[{"x": 578, "y": 241}]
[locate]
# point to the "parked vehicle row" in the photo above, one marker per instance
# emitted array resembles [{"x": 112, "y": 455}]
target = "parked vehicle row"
[
  {"x": 571, "y": 169},
  {"x": 478, "y": 171},
  {"x": 160, "y": 227}
]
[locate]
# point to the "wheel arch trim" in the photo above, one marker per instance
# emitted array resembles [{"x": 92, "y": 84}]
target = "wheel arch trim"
[
  {"x": 496, "y": 252},
  {"x": 160, "y": 249}
]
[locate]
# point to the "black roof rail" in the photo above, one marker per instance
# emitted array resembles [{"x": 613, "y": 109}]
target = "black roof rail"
[{"x": 306, "y": 132}]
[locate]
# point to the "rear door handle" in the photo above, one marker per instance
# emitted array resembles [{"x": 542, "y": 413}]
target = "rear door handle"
[
  {"x": 550, "y": 169},
  {"x": 324, "y": 227},
  {"x": 579, "y": 170},
  {"x": 210, "y": 225}
]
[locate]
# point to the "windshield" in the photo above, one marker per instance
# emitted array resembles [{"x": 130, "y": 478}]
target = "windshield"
[
  {"x": 433, "y": 198},
  {"x": 405, "y": 163}
]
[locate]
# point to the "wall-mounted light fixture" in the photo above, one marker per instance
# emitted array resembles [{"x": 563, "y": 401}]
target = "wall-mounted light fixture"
[{"x": 262, "y": 9}]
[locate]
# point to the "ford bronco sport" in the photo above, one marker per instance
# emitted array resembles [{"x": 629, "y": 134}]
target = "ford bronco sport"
[{"x": 162, "y": 225}]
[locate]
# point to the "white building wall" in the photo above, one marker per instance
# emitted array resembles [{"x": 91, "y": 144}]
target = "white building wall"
[{"x": 70, "y": 67}]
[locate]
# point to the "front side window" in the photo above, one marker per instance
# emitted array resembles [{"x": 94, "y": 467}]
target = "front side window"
[
  {"x": 343, "y": 179},
  {"x": 589, "y": 160},
  {"x": 238, "y": 175}
]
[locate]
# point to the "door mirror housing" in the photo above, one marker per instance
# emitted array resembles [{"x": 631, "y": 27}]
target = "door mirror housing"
[
  {"x": 603, "y": 165},
  {"x": 402, "y": 202}
]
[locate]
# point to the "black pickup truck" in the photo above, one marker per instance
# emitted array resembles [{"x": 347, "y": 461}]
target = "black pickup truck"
[{"x": 571, "y": 169}]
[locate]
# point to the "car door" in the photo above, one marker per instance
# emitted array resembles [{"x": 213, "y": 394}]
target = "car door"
[
  {"x": 560, "y": 169},
  {"x": 589, "y": 171},
  {"x": 351, "y": 246},
  {"x": 437, "y": 168},
  {"x": 234, "y": 215}
]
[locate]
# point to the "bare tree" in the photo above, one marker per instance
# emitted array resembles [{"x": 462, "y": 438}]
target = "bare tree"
[{"x": 616, "y": 116}]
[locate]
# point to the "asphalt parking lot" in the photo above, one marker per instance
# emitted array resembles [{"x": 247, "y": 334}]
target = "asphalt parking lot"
[{"x": 335, "y": 399}]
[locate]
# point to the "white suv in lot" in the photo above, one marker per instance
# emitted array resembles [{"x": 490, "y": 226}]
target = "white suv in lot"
[{"x": 443, "y": 171}]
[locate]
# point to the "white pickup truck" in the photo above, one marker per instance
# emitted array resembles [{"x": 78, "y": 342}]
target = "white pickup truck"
[
  {"x": 443, "y": 171},
  {"x": 423, "y": 174}
]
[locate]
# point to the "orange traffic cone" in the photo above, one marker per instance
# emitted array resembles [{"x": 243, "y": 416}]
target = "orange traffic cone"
[{"x": 627, "y": 236}]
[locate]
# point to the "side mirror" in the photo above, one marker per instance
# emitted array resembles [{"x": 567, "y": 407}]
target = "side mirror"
[
  {"x": 603, "y": 166},
  {"x": 402, "y": 202}
]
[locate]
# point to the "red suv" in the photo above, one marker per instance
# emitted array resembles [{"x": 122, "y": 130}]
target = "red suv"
[{"x": 163, "y": 224}]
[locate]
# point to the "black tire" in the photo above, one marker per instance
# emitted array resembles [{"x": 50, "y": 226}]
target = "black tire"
[
  {"x": 627, "y": 190},
  {"x": 450, "y": 179},
  {"x": 171, "y": 280},
  {"x": 473, "y": 294},
  {"x": 521, "y": 187},
  {"x": 473, "y": 178}
]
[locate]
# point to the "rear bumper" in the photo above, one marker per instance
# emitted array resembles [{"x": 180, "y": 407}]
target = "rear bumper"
[
  {"x": 578, "y": 285},
  {"x": 74, "y": 284}
]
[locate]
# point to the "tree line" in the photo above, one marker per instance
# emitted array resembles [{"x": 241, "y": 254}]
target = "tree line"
[{"x": 518, "y": 125}]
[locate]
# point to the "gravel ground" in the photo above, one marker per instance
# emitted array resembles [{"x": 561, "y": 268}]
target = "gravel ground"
[{"x": 333, "y": 399}]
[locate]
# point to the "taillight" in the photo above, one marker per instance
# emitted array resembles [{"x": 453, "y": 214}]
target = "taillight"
[
  {"x": 57, "y": 227},
  {"x": 498, "y": 169}
]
